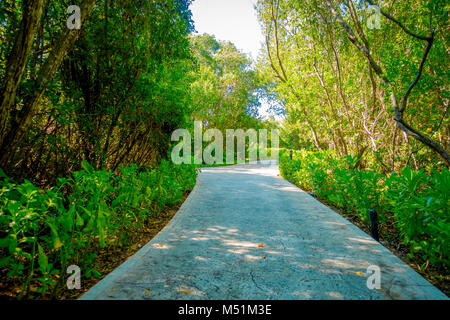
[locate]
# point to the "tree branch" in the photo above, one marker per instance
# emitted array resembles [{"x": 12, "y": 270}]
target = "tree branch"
[
  {"x": 406, "y": 30},
  {"x": 419, "y": 73},
  {"x": 398, "y": 113}
]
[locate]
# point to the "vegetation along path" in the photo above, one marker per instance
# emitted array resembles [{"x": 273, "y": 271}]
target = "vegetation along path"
[{"x": 245, "y": 233}]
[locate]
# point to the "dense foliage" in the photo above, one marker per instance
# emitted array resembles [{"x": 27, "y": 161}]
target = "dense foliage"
[
  {"x": 86, "y": 117},
  {"x": 42, "y": 232},
  {"x": 225, "y": 90},
  {"x": 366, "y": 96},
  {"x": 413, "y": 204},
  {"x": 118, "y": 93},
  {"x": 349, "y": 86}
]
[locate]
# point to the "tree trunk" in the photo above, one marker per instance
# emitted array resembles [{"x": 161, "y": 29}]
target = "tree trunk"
[
  {"x": 17, "y": 60},
  {"x": 20, "y": 124}
]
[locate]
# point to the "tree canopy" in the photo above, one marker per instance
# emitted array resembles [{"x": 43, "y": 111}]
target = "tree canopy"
[{"x": 376, "y": 91}]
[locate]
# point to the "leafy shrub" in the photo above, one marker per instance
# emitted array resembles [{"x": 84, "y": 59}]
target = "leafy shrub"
[
  {"x": 420, "y": 203},
  {"x": 417, "y": 202},
  {"x": 42, "y": 232}
]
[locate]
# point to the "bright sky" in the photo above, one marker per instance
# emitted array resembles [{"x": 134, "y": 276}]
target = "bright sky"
[
  {"x": 235, "y": 21},
  {"x": 232, "y": 20}
]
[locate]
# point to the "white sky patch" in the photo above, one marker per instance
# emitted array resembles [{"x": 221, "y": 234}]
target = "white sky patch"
[
  {"x": 231, "y": 20},
  {"x": 235, "y": 21}
]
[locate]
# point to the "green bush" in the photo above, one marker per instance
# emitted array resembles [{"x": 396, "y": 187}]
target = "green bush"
[
  {"x": 420, "y": 203},
  {"x": 42, "y": 232},
  {"x": 416, "y": 201}
]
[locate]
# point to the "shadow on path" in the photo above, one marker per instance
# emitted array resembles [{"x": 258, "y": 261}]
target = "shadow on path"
[{"x": 245, "y": 233}]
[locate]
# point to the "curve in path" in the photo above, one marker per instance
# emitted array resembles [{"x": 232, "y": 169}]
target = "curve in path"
[{"x": 245, "y": 233}]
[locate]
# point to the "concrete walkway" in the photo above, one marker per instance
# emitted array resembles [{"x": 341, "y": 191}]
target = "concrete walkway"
[{"x": 245, "y": 233}]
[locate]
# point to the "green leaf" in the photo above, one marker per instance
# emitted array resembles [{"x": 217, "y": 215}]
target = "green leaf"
[
  {"x": 12, "y": 245},
  {"x": 79, "y": 220},
  {"x": 55, "y": 237},
  {"x": 4, "y": 261},
  {"x": 3, "y": 174},
  {"x": 96, "y": 274},
  {"x": 87, "y": 167},
  {"x": 42, "y": 259},
  {"x": 101, "y": 228},
  {"x": 4, "y": 242}
]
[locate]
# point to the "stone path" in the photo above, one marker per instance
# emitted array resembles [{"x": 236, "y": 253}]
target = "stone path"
[{"x": 245, "y": 233}]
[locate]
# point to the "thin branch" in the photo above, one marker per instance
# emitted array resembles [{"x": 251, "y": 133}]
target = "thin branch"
[
  {"x": 398, "y": 114},
  {"x": 352, "y": 37},
  {"x": 388, "y": 16},
  {"x": 275, "y": 18},
  {"x": 419, "y": 73}
]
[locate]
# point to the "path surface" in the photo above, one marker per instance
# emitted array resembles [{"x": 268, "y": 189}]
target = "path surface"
[{"x": 212, "y": 248}]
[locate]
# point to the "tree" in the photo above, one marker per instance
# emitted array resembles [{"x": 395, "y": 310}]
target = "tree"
[
  {"x": 20, "y": 123},
  {"x": 110, "y": 93},
  {"x": 333, "y": 95},
  {"x": 398, "y": 105},
  {"x": 225, "y": 84}
]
